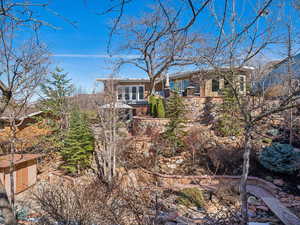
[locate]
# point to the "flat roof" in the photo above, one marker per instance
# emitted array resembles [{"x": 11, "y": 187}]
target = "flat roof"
[
  {"x": 5, "y": 160},
  {"x": 207, "y": 70},
  {"x": 129, "y": 80}
]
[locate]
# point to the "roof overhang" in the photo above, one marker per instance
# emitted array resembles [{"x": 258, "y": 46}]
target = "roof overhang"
[
  {"x": 5, "y": 160},
  {"x": 124, "y": 80},
  {"x": 179, "y": 75}
]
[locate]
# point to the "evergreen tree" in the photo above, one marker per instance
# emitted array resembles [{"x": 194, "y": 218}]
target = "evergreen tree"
[
  {"x": 228, "y": 123},
  {"x": 55, "y": 91},
  {"x": 175, "y": 128},
  {"x": 157, "y": 107},
  {"x": 78, "y": 144}
]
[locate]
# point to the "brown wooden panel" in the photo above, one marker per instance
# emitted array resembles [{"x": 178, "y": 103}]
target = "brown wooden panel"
[{"x": 21, "y": 177}]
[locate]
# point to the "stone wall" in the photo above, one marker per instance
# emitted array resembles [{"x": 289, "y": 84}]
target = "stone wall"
[
  {"x": 148, "y": 125},
  {"x": 198, "y": 107}
]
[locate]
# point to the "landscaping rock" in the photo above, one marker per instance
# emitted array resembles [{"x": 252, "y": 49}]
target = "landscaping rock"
[
  {"x": 253, "y": 201},
  {"x": 251, "y": 213},
  {"x": 269, "y": 178},
  {"x": 278, "y": 182}
]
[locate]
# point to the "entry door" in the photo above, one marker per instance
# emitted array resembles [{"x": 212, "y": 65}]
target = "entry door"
[{"x": 21, "y": 178}]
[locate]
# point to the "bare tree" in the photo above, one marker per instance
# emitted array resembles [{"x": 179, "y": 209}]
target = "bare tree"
[
  {"x": 192, "y": 8},
  {"x": 234, "y": 51},
  {"x": 154, "y": 45},
  {"x": 22, "y": 70},
  {"x": 239, "y": 40},
  {"x": 112, "y": 116}
]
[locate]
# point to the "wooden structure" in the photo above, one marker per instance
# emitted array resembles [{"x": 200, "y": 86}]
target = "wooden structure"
[{"x": 25, "y": 171}]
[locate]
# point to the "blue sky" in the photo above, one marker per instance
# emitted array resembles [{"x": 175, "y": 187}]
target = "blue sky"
[
  {"x": 81, "y": 50},
  {"x": 79, "y": 44}
]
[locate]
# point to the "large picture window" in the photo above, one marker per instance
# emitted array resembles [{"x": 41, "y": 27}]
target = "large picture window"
[
  {"x": 133, "y": 95},
  {"x": 130, "y": 93},
  {"x": 215, "y": 85},
  {"x": 127, "y": 96},
  {"x": 141, "y": 93}
]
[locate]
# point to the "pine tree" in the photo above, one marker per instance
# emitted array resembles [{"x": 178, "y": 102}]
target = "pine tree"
[
  {"x": 228, "y": 123},
  {"x": 78, "y": 144},
  {"x": 55, "y": 91},
  {"x": 175, "y": 128}
]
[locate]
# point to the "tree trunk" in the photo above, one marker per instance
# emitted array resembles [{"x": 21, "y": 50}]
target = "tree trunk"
[
  {"x": 152, "y": 86},
  {"x": 243, "y": 183},
  {"x": 5, "y": 206},
  {"x": 7, "y": 211}
]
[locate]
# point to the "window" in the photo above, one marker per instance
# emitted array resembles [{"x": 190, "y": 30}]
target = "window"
[
  {"x": 185, "y": 83},
  {"x": 242, "y": 83},
  {"x": 133, "y": 95},
  {"x": 172, "y": 85},
  {"x": 197, "y": 89},
  {"x": 215, "y": 85},
  {"x": 129, "y": 93},
  {"x": 127, "y": 97},
  {"x": 141, "y": 93}
]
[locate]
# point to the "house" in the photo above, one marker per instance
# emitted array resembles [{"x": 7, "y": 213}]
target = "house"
[
  {"x": 201, "y": 83},
  {"x": 130, "y": 91},
  {"x": 25, "y": 171},
  {"x": 275, "y": 81}
]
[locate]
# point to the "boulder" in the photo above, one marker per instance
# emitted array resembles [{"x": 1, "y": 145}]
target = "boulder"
[{"x": 278, "y": 182}]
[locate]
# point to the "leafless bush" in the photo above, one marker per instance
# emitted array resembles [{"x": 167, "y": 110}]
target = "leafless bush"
[
  {"x": 226, "y": 160},
  {"x": 89, "y": 204},
  {"x": 228, "y": 217},
  {"x": 195, "y": 142}
]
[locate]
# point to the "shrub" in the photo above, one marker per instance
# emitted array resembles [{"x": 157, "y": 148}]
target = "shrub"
[
  {"x": 225, "y": 159},
  {"x": 279, "y": 158},
  {"x": 152, "y": 105},
  {"x": 160, "y": 108},
  {"x": 157, "y": 108},
  {"x": 191, "y": 197},
  {"x": 89, "y": 204},
  {"x": 227, "y": 127}
]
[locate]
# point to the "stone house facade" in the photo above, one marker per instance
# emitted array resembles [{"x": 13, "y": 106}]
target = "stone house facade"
[{"x": 202, "y": 84}]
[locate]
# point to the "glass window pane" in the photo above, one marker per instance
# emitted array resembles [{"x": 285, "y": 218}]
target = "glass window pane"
[
  {"x": 120, "y": 93},
  {"x": 141, "y": 92},
  {"x": 126, "y": 93},
  {"x": 133, "y": 96},
  {"x": 186, "y": 83},
  {"x": 215, "y": 85},
  {"x": 172, "y": 85},
  {"x": 177, "y": 85}
]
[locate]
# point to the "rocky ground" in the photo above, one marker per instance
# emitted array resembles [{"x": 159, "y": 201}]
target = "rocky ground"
[{"x": 177, "y": 208}]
